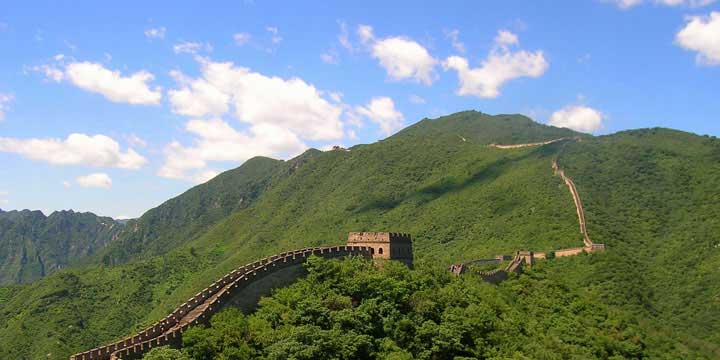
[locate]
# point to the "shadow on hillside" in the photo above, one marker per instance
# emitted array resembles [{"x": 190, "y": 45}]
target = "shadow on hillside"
[{"x": 434, "y": 191}]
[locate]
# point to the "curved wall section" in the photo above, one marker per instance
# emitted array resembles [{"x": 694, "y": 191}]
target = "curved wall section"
[{"x": 204, "y": 304}]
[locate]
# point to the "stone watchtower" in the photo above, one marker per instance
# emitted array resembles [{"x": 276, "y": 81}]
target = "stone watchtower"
[{"x": 384, "y": 245}]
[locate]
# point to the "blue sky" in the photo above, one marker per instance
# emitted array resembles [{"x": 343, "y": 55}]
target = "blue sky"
[{"x": 114, "y": 109}]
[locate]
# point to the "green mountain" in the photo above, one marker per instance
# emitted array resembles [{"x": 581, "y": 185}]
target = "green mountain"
[
  {"x": 33, "y": 245},
  {"x": 651, "y": 195},
  {"x": 182, "y": 218}
]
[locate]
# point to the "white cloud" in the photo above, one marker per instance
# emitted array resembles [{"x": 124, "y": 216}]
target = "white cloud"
[
  {"x": 365, "y": 32},
  {"x": 135, "y": 140},
  {"x": 66, "y": 184},
  {"x": 4, "y": 198},
  {"x": 95, "y": 180},
  {"x": 500, "y": 66},
  {"x": 344, "y": 37},
  {"x": 415, "y": 99},
  {"x": 216, "y": 140},
  {"x": 258, "y": 100},
  {"x": 275, "y": 37},
  {"x": 330, "y": 57},
  {"x": 506, "y": 38},
  {"x": 189, "y": 47},
  {"x": 77, "y": 149},
  {"x": 94, "y": 77},
  {"x": 381, "y": 110},
  {"x": 197, "y": 97},
  {"x": 155, "y": 33},
  {"x": 627, "y": 4},
  {"x": 242, "y": 38},
  {"x": 5, "y": 99},
  {"x": 50, "y": 72},
  {"x": 401, "y": 57},
  {"x": 454, "y": 36},
  {"x": 336, "y": 96},
  {"x": 702, "y": 34},
  {"x": 578, "y": 117}
]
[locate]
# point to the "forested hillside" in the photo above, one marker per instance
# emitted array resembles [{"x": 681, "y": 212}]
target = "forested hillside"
[
  {"x": 182, "y": 218},
  {"x": 461, "y": 200},
  {"x": 33, "y": 245}
]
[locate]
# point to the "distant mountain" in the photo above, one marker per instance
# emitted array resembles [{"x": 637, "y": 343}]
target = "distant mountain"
[
  {"x": 182, "y": 218},
  {"x": 33, "y": 245},
  {"x": 651, "y": 195}
]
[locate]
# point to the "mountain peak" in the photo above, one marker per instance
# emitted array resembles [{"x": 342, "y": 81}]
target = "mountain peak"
[{"x": 487, "y": 129}]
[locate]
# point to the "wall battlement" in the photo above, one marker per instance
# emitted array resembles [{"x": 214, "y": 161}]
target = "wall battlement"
[{"x": 379, "y": 237}]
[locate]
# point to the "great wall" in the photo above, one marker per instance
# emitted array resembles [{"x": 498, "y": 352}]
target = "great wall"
[
  {"x": 529, "y": 257},
  {"x": 234, "y": 287},
  {"x": 231, "y": 288}
]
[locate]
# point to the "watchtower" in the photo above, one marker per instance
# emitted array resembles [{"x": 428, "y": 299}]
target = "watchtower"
[{"x": 385, "y": 245}]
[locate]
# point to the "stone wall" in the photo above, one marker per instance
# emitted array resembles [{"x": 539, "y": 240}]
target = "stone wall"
[
  {"x": 569, "y": 252},
  {"x": 204, "y": 304},
  {"x": 516, "y": 146}
]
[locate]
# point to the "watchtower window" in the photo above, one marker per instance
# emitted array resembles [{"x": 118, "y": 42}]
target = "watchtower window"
[{"x": 380, "y": 250}]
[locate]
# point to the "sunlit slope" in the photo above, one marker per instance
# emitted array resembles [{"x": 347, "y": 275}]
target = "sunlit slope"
[
  {"x": 182, "y": 218},
  {"x": 653, "y": 196}
]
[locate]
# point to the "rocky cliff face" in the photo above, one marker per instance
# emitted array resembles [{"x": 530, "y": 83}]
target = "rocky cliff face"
[{"x": 33, "y": 245}]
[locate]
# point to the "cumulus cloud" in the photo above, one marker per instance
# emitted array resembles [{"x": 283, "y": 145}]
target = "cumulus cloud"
[
  {"x": 702, "y": 34},
  {"x": 627, "y": 4},
  {"x": 216, "y": 140},
  {"x": 577, "y": 117},
  {"x": 96, "y": 78},
  {"x": 5, "y": 99},
  {"x": 381, "y": 110},
  {"x": 258, "y": 100},
  {"x": 242, "y": 38},
  {"x": 401, "y": 57},
  {"x": 506, "y": 38},
  {"x": 95, "y": 180},
  {"x": 197, "y": 97},
  {"x": 155, "y": 33},
  {"x": 501, "y": 65},
  {"x": 77, "y": 149}
]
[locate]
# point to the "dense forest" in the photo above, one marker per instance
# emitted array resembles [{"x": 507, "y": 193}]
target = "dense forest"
[
  {"x": 354, "y": 310},
  {"x": 651, "y": 195}
]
